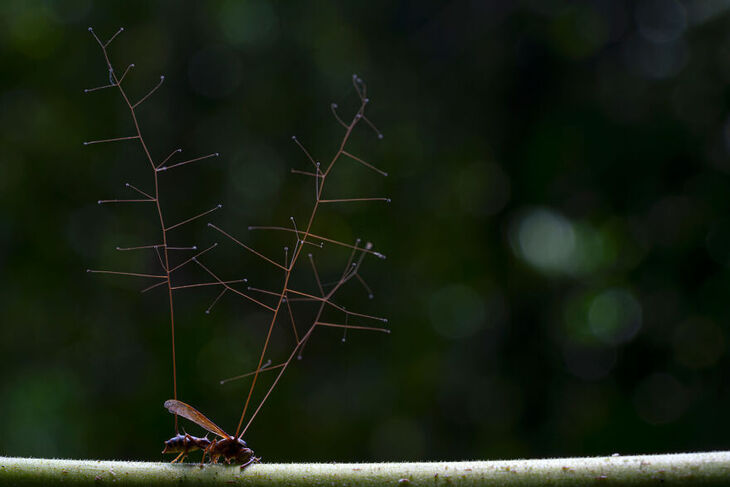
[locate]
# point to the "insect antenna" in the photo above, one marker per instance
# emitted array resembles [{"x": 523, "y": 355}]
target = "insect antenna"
[
  {"x": 156, "y": 169},
  {"x": 304, "y": 235}
]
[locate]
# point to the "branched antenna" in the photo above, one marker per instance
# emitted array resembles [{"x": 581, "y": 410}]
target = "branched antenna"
[
  {"x": 161, "y": 250},
  {"x": 324, "y": 299},
  {"x": 288, "y": 296}
]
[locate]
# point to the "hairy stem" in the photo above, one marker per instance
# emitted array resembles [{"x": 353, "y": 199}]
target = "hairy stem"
[{"x": 675, "y": 469}]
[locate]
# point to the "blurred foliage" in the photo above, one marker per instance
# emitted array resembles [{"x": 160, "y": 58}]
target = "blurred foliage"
[{"x": 558, "y": 242}]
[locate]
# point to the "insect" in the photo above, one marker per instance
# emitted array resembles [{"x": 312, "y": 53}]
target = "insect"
[
  {"x": 183, "y": 444},
  {"x": 231, "y": 448}
]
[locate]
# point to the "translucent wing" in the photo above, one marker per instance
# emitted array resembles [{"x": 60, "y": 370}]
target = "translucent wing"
[{"x": 189, "y": 412}]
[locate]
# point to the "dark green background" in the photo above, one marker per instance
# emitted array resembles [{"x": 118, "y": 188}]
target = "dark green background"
[{"x": 558, "y": 243}]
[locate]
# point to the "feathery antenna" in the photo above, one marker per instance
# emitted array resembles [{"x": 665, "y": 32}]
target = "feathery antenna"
[
  {"x": 303, "y": 235},
  {"x": 161, "y": 250}
]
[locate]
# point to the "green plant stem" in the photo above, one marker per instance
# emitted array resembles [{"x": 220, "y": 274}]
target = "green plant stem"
[{"x": 675, "y": 469}]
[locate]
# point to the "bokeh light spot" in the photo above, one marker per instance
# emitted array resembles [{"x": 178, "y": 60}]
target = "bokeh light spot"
[
  {"x": 614, "y": 316},
  {"x": 32, "y": 32},
  {"x": 594, "y": 249},
  {"x": 546, "y": 240}
]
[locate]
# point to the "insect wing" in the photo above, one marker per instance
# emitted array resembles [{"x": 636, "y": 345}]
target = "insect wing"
[{"x": 189, "y": 412}]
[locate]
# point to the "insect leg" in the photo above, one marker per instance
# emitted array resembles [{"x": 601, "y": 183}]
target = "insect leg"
[{"x": 251, "y": 460}]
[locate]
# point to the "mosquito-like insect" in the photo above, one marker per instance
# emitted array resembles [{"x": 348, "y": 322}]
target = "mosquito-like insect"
[{"x": 231, "y": 448}]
